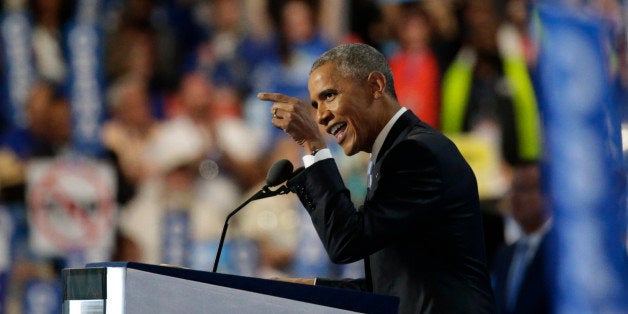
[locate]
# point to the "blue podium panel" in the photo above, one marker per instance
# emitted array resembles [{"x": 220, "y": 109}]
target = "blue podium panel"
[{"x": 143, "y": 288}]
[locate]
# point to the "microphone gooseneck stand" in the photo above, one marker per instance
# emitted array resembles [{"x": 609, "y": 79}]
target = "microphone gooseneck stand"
[{"x": 263, "y": 193}]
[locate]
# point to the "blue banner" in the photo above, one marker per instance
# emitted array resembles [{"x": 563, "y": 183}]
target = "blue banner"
[
  {"x": 241, "y": 257},
  {"x": 176, "y": 242},
  {"x": 43, "y": 296},
  {"x": 19, "y": 73},
  {"x": 86, "y": 81},
  {"x": 584, "y": 174},
  {"x": 6, "y": 235},
  {"x": 310, "y": 257}
]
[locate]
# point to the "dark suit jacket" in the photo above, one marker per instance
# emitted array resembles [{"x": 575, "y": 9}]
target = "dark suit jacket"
[
  {"x": 534, "y": 296},
  {"x": 420, "y": 227}
]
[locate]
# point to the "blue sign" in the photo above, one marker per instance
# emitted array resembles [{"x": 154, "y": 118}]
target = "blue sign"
[
  {"x": 19, "y": 73},
  {"x": 176, "y": 241},
  {"x": 584, "y": 174},
  {"x": 310, "y": 257},
  {"x": 86, "y": 81}
]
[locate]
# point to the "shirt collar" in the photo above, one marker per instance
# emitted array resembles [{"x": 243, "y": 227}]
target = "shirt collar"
[{"x": 379, "y": 140}]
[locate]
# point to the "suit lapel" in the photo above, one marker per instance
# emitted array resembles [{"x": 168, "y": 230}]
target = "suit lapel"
[
  {"x": 398, "y": 132},
  {"x": 530, "y": 292},
  {"x": 404, "y": 123}
]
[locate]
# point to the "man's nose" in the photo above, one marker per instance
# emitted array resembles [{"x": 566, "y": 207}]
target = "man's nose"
[{"x": 323, "y": 115}]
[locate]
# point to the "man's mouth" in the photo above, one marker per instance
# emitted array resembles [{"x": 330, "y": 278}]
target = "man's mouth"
[{"x": 338, "y": 131}]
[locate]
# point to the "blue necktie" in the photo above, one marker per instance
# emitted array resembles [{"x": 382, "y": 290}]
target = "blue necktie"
[{"x": 517, "y": 270}]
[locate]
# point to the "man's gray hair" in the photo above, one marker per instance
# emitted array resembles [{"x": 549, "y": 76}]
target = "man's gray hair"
[{"x": 356, "y": 61}]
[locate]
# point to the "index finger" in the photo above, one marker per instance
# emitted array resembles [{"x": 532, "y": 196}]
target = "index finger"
[{"x": 276, "y": 97}]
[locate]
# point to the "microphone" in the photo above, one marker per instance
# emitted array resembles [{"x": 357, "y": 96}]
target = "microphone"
[{"x": 278, "y": 173}]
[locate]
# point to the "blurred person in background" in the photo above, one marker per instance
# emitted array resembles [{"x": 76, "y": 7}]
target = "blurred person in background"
[
  {"x": 486, "y": 91},
  {"x": 489, "y": 108},
  {"x": 46, "y": 135},
  {"x": 179, "y": 210},
  {"x": 142, "y": 39},
  {"x": 217, "y": 55},
  {"x": 127, "y": 132},
  {"x": 60, "y": 126},
  {"x": 366, "y": 24},
  {"x": 199, "y": 161},
  {"x": 216, "y": 111},
  {"x": 445, "y": 18},
  {"x": 519, "y": 272},
  {"x": 154, "y": 20},
  {"x": 49, "y": 20},
  {"x": 273, "y": 224},
  {"x": 414, "y": 65},
  {"x": 132, "y": 52},
  {"x": 518, "y": 16},
  {"x": 242, "y": 151},
  {"x": 281, "y": 62}
]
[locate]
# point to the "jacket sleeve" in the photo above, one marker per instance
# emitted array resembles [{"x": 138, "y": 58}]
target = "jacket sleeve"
[
  {"x": 355, "y": 284},
  {"x": 407, "y": 196}
]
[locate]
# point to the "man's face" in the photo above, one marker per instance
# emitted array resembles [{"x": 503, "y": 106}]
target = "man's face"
[{"x": 343, "y": 109}]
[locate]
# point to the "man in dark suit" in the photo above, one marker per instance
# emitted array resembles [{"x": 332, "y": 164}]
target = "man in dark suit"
[
  {"x": 420, "y": 229},
  {"x": 520, "y": 281}
]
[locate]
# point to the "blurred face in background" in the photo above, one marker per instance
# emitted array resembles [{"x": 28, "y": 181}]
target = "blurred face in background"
[
  {"x": 527, "y": 202},
  {"x": 50, "y": 7},
  {"x": 196, "y": 96},
  {"x": 482, "y": 22},
  {"x": 141, "y": 58},
  {"x": 37, "y": 108},
  {"x": 413, "y": 30},
  {"x": 517, "y": 14},
  {"x": 60, "y": 123},
  {"x": 225, "y": 102},
  {"x": 138, "y": 10},
  {"x": 135, "y": 107},
  {"x": 297, "y": 21},
  {"x": 226, "y": 14}
]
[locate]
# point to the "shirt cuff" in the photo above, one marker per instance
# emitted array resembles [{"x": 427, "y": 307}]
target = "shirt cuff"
[{"x": 309, "y": 160}]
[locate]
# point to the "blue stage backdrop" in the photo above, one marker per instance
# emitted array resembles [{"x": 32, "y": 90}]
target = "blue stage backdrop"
[{"x": 584, "y": 171}]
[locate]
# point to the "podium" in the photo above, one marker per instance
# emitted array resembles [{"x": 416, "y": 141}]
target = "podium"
[{"x": 127, "y": 287}]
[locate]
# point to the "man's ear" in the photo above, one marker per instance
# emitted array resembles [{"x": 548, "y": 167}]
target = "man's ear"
[{"x": 377, "y": 83}]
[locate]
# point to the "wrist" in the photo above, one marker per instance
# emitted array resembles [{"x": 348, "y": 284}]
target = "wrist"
[
  {"x": 313, "y": 148},
  {"x": 316, "y": 150}
]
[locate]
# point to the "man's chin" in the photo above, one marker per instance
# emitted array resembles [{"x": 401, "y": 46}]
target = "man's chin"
[{"x": 350, "y": 150}]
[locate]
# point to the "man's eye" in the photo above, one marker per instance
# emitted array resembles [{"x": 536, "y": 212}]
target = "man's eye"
[{"x": 330, "y": 96}]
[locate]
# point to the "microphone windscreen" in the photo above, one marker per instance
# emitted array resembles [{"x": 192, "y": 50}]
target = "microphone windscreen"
[{"x": 279, "y": 172}]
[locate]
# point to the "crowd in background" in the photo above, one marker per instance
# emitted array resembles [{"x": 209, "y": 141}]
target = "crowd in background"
[{"x": 186, "y": 140}]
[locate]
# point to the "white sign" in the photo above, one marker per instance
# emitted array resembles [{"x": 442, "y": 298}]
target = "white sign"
[{"x": 71, "y": 206}]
